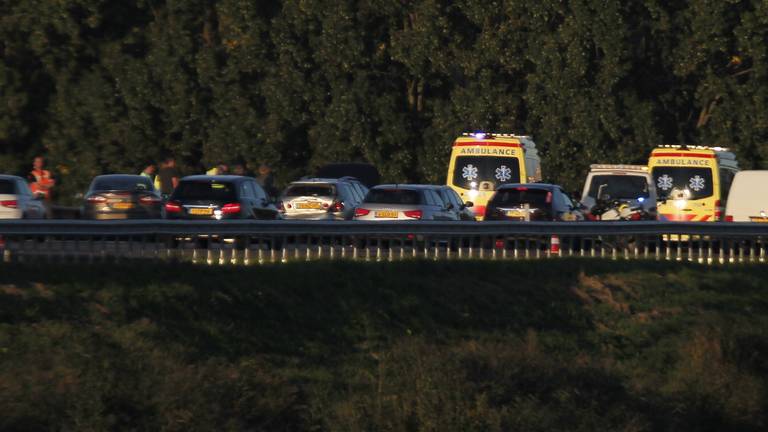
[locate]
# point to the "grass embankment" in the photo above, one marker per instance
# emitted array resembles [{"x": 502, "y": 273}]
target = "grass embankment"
[{"x": 549, "y": 346}]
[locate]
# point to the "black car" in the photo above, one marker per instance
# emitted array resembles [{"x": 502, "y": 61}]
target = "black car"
[
  {"x": 122, "y": 196},
  {"x": 532, "y": 202},
  {"x": 219, "y": 197}
]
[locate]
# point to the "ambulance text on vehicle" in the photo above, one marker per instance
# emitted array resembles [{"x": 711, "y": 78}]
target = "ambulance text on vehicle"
[
  {"x": 481, "y": 162},
  {"x": 692, "y": 181}
]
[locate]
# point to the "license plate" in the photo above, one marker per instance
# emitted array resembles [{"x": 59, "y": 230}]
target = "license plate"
[
  {"x": 201, "y": 211},
  {"x": 515, "y": 213},
  {"x": 122, "y": 206},
  {"x": 758, "y": 219},
  {"x": 309, "y": 205},
  {"x": 386, "y": 214}
]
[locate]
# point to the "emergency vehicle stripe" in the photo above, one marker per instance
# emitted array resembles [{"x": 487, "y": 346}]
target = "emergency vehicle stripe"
[
  {"x": 692, "y": 155},
  {"x": 683, "y": 218},
  {"x": 705, "y": 218},
  {"x": 485, "y": 143}
]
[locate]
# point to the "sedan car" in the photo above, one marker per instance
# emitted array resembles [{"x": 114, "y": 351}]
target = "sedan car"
[
  {"x": 532, "y": 202},
  {"x": 219, "y": 197},
  {"x": 403, "y": 203},
  {"x": 122, "y": 196},
  {"x": 17, "y": 201},
  {"x": 319, "y": 199}
]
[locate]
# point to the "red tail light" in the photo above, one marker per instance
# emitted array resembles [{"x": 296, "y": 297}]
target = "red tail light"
[
  {"x": 172, "y": 207},
  {"x": 500, "y": 244},
  {"x": 718, "y": 210},
  {"x": 231, "y": 208},
  {"x": 729, "y": 218},
  {"x": 96, "y": 199},
  {"x": 9, "y": 204},
  {"x": 635, "y": 216},
  {"x": 521, "y": 188},
  {"x": 413, "y": 214},
  {"x": 336, "y": 207},
  {"x": 149, "y": 199},
  {"x": 361, "y": 212}
]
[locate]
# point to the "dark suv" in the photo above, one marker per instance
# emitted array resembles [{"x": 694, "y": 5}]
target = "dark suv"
[
  {"x": 532, "y": 202},
  {"x": 219, "y": 197}
]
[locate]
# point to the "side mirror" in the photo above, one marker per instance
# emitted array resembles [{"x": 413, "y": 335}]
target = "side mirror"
[
  {"x": 468, "y": 204},
  {"x": 449, "y": 206}
]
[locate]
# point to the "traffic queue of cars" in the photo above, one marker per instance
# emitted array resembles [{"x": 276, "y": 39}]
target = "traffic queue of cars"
[{"x": 490, "y": 177}]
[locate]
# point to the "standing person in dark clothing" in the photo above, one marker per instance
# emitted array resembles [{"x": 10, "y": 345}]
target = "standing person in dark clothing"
[
  {"x": 266, "y": 180},
  {"x": 169, "y": 177}
]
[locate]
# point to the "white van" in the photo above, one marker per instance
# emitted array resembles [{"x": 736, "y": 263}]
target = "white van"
[{"x": 748, "y": 199}]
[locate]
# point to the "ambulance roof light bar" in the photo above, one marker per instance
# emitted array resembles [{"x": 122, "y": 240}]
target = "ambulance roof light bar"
[
  {"x": 492, "y": 135},
  {"x": 618, "y": 167},
  {"x": 689, "y": 147}
]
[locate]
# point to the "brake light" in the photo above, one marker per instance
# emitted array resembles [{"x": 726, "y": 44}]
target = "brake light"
[
  {"x": 96, "y": 199},
  {"x": 231, "y": 208},
  {"x": 413, "y": 214},
  {"x": 718, "y": 210},
  {"x": 172, "y": 207},
  {"x": 9, "y": 204},
  {"x": 521, "y": 188},
  {"x": 149, "y": 199},
  {"x": 361, "y": 212},
  {"x": 729, "y": 218},
  {"x": 635, "y": 216},
  {"x": 336, "y": 207}
]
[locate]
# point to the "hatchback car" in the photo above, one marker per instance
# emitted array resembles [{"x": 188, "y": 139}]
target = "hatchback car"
[
  {"x": 219, "y": 197},
  {"x": 532, "y": 202},
  {"x": 455, "y": 204},
  {"x": 17, "y": 201},
  {"x": 319, "y": 199},
  {"x": 122, "y": 196},
  {"x": 403, "y": 203}
]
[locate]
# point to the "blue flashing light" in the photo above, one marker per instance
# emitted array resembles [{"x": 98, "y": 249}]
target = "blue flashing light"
[{"x": 641, "y": 199}]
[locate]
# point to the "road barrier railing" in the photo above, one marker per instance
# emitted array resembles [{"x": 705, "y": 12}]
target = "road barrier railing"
[{"x": 253, "y": 242}]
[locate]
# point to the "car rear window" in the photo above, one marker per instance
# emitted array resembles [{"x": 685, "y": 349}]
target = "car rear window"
[
  {"x": 535, "y": 198},
  {"x": 205, "y": 190},
  {"x": 7, "y": 187},
  {"x": 310, "y": 190},
  {"x": 618, "y": 187},
  {"x": 122, "y": 184},
  {"x": 393, "y": 196}
]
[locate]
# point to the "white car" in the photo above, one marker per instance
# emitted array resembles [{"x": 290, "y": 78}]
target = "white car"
[
  {"x": 17, "y": 201},
  {"x": 403, "y": 203}
]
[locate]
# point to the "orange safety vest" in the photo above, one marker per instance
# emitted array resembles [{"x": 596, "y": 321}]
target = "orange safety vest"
[{"x": 42, "y": 184}]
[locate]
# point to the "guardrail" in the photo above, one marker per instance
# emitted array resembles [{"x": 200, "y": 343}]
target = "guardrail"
[{"x": 252, "y": 242}]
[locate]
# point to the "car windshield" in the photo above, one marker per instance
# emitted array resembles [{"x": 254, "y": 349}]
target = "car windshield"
[
  {"x": 534, "y": 198},
  {"x": 393, "y": 196},
  {"x": 470, "y": 171},
  {"x": 683, "y": 182},
  {"x": 7, "y": 187},
  {"x": 122, "y": 184},
  {"x": 322, "y": 190},
  {"x": 205, "y": 190},
  {"x": 622, "y": 187}
]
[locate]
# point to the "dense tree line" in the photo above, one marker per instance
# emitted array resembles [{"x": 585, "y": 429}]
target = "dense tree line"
[{"x": 102, "y": 86}]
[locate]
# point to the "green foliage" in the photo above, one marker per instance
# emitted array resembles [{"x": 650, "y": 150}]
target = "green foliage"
[
  {"x": 102, "y": 86},
  {"x": 419, "y": 346}
]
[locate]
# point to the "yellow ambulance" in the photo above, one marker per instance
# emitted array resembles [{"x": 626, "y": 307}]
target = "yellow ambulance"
[
  {"x": 692, "y": 182},
  {"x": 480, "y": 162}
]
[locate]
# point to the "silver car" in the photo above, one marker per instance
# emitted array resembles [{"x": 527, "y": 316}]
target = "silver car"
[
  {"x": 403, "y": 203},
  {"x": 320, "y": 199},
  {"x": 17, "y": 201}
]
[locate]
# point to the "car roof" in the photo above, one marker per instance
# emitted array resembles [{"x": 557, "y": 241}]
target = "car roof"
[
  {"x": 317, "y": 181},
  {"x": 222, "y": 178},
  {"x": 544, "y": 186},
  {"x": 10, "y": 177},
  {"x": 413, "y": 187},
  {"x": 118, "y": 176}
]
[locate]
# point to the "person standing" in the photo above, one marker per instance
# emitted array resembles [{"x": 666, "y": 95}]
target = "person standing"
[
  {"x": 168, "y": 176},
  {"x": 149, "y": 171},
  {"x": 266, "y": 180},
  {"x": 41, "y": 181}
]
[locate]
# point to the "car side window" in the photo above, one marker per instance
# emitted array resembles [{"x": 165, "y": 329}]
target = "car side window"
[
  {"x": 454, "y": 198},
  {"x": 343, "y": 191},
  {"x": 428, "y": 198},
  {"x": 258, "y": 192},
  {"x": 23, "y": 188}
]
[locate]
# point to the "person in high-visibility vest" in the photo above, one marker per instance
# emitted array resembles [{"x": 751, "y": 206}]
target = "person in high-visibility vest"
[
  {"x": 41, "y": 181},
  {"x": 149, "y": 172},
  {"x": 219, "y": 169}
]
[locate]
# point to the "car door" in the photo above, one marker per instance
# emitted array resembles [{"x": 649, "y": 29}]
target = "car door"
[
  {"x": 31, "y": 207},
  {"x": 263, "y": 208}
]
